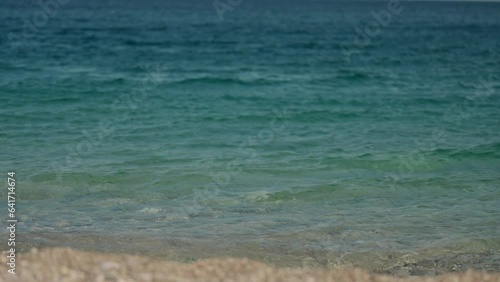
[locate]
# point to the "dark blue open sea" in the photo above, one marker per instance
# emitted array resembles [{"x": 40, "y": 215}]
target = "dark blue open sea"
[{"x": 298, "y": 133}]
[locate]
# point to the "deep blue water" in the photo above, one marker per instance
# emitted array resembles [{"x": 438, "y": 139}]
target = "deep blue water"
[{"x": 156, "y": 127}]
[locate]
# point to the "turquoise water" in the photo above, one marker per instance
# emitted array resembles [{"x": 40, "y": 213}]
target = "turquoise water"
[{"x": 157, "y": 128}]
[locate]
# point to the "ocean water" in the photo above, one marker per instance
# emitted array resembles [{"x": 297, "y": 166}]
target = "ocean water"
[{"x": 277, "y": 131}]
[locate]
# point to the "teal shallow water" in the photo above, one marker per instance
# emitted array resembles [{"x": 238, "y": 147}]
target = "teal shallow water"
[{"x": 166, "y": 132}]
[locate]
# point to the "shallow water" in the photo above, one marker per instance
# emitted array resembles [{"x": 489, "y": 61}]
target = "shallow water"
[{"x": 158, "y": 129}]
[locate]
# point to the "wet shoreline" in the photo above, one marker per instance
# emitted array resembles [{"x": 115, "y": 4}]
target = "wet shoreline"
[
  {"x": 64, "y": 264},
  {"x": 479, "y": 255}
]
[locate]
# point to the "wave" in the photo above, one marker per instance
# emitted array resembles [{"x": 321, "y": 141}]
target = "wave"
[
  {"x": 227, "y": 80},
  {"x": 490, "y": 150}
]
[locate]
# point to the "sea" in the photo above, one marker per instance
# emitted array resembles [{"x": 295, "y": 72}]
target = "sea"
[{"x": 325, "y": 134}]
